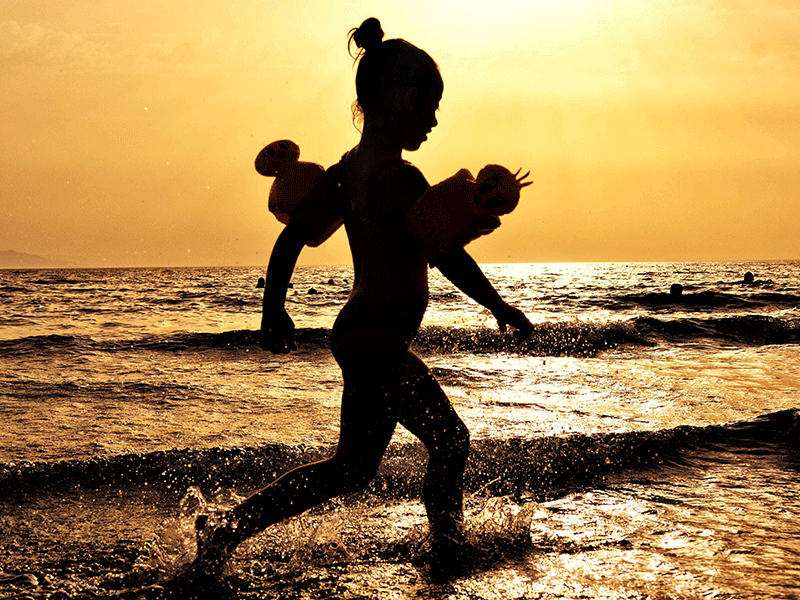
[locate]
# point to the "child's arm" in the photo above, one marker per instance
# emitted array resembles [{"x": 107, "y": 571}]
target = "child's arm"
[
  {"x": 277, "y": 327},
  {"x": 462, "y": 270}
]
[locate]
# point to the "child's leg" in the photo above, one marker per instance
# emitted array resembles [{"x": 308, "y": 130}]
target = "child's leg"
[
  {"x": 426, "y": 412},
  {"x": 370, "y": 407}
]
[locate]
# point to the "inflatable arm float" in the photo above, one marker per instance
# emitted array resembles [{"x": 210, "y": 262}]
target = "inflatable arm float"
[
  {"x": 294, "y": 179},
  {"x": 449, "y": 214},
  {"x": 461, "y": 208}
]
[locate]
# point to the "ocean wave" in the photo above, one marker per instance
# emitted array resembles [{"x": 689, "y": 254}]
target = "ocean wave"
[
  {"x": 230, "y": 340},
  {"x": 14, "y": 321},
  {"x": 142, "y": 393},
  {"x": 37, "y": 344},
  {"x": 56, "y": 280},
  {"x": 561, "y": 338},
  {"x": 572, "y": 338},
  {"x": 703, "y": 300},
  {"x": 590, "y": 338},
  {"x": 554, "y": 338},
  {"x": 540, "y": 467},
  {"x": 12, "y": 289},
  {"x": 746, "y": 329}
]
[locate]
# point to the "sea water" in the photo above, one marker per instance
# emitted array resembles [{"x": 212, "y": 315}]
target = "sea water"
[{"x": 638, "y": 445}]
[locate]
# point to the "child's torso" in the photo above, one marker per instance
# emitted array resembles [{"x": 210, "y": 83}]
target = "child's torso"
[{"x": 390, "y": 270}]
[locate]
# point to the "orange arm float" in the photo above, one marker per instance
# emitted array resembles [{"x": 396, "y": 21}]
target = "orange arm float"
[
  {"x": 294, "y": 179},
  {"x": 297, "y": 182},
  {"x": 461, "y": 209}
]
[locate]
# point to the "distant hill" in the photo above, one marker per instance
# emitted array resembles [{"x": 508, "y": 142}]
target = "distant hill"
[{"x": 10, "y": 259}]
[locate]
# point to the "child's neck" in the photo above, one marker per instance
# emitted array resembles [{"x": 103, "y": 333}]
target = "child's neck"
[{"x": 378, "y": 144}]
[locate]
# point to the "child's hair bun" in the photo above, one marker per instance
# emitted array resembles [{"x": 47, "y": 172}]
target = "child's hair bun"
[{"x": 369, "y": 34}]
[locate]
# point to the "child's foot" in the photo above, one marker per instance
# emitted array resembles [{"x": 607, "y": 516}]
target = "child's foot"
[
  {"x": 444, "y": 555},
  {"x": 212, "y": 551}
]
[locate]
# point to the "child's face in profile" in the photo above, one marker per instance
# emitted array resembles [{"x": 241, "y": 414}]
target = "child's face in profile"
[{"x": 423, "y": 119}]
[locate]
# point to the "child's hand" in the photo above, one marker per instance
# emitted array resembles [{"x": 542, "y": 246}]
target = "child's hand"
[
  {"x": 277, "y": 331},
  {"x": 509, "y": 315}
]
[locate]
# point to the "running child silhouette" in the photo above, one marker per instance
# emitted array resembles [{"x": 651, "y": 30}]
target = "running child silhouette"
[{"x": 398, "y": 90}]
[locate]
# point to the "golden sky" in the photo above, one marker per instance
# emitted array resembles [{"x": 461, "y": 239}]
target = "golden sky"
[{"x": 654, "y": 131}]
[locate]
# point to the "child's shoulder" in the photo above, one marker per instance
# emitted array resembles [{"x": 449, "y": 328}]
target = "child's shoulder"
[{"x": 399, "y": 179}]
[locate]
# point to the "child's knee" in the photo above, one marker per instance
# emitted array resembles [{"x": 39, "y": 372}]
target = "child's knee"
[
  {"x": 455, "y": 447},
  {"x": 460, "y": 443},
  {"x": 355, "y": 476}
]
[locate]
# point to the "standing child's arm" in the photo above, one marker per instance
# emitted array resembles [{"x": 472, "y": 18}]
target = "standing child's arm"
[
  {"x": 313, "y": 221},
  {"x": 462, "y": 270},
  {"x": 277, "y": 327}
]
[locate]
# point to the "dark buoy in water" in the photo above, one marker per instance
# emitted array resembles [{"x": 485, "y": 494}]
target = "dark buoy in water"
[
  {"x": 312, "y": 291},
  {"x": 676, "y": 289},
  {"x": 260, "y": 283},
  {"x": 748, "y": 277}
]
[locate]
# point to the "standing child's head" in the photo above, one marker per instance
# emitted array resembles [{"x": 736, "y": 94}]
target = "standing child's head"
[{"x": 397, "y": 83}]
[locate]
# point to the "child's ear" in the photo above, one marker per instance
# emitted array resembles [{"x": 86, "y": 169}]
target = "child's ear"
[{"x": 411, "y": 98}]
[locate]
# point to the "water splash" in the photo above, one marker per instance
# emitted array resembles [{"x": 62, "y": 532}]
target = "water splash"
[
  {"x": 173, "y": 547},
  {"x": 501, "y": 518},
  {"x": 174, "y": 544},
  {"x": 324, "y": 545}
]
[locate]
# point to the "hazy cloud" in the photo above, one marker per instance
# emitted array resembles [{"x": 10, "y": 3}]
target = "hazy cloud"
[{"x": 37, "y": 44}]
